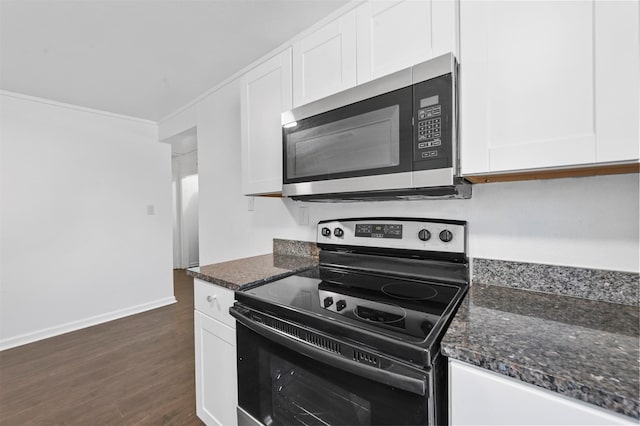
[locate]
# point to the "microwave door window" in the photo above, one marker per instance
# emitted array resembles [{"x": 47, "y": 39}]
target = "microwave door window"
[{"x": 362, "y": 142}]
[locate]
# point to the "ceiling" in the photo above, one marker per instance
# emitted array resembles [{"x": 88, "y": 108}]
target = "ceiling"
[{"x": 140, "y": 58}]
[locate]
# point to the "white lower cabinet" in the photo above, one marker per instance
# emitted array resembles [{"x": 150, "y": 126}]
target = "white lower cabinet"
[
  {"x": 215, "y": 352},
  {"x": 481, "y": 397}
]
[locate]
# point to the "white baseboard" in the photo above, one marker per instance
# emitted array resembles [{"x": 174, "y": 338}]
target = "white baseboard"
[{"x": 23, "y": 339}]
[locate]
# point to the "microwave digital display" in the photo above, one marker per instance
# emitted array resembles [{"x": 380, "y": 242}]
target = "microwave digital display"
[{"x": 431, "y": 100}]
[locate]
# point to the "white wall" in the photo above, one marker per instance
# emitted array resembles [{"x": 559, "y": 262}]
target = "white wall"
[
  {"x": 227, "y": 229},
  {"x": 178, "y": 123},
  {"x": 79, "y": 246},
  {"x": 585, "y": 222}
]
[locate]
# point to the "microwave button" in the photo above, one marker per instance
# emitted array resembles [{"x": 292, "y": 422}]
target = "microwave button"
[
  {"x": 429, "y": 154},
  {"x": 430, "y": 144},
  {"x": 422, "y": 116},
  {"x": 422, "y": 138}
]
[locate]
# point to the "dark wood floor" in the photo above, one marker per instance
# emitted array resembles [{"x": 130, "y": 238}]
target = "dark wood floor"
[{"x": 135, "y": 370}]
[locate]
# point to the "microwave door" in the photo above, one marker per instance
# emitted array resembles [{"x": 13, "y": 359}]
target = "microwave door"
[
  {"x": 363, "y": 142},
  {"x": 354, "y": 148}
]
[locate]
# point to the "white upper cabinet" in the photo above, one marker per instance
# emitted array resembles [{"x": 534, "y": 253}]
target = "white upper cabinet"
[
  {"x": 324, "y": 62},
  {"x": 393, "y": 35},
  {"x": 265, "y": 94},
  {"x": 617, "y": 72},
  {"x": 547, "y": 84}
]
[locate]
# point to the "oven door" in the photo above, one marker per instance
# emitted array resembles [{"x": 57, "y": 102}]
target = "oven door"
[
  {"x": 363, "y": 146},
  {"x": 288, "y": 381}
]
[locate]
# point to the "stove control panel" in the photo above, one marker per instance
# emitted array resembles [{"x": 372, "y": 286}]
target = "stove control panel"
[{"x": 409, "y": 234}]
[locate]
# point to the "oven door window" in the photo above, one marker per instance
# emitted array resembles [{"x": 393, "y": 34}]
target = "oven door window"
[
  {"x": 361, "y": 139},
  {"x": 281, "y": 387}
]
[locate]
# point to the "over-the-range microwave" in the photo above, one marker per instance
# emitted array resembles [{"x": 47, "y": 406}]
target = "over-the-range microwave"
[{"x": 393, "y": 137}]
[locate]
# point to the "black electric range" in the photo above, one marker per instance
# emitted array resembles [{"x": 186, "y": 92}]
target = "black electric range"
[{"x": 377, "y": 306}]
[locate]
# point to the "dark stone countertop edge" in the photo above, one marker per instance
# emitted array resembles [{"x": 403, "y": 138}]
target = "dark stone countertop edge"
[
  {"x": 235, "y": 286},
  {"x": 466, "y": 341},
  {"x": 305, "y": 264},
  {"x": 554, "y": 383}
]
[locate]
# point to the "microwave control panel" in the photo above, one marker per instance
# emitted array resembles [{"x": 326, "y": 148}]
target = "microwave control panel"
[{"x": 432, "y": 123}]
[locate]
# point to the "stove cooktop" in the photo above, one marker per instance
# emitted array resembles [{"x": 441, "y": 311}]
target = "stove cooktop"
[
  {"x": 395, "y": 316},
  {"x": 383, "y": 283},
  {"x": 400, "y": 308}
]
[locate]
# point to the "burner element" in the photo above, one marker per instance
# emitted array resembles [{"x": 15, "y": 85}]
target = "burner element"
[
  {"x": 393, "y": 315},
  {"x": 409, "y": 291}
]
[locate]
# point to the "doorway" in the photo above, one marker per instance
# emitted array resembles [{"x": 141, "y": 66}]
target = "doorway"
[
  {"x": 189, "y": 205},
  {"x": 184, "y": 164}
]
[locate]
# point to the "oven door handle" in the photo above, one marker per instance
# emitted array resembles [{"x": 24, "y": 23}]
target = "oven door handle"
[{"x": 411, "y": 379}]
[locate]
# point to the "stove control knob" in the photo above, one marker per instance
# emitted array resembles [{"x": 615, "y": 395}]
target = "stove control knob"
[
  {"x": 328, "y": 301},
  {"x": 424, "y": 235},
  {"x": 326, "y": 232},
  {"x": 446, "y": 236},
  {"x": 338, "y": 232},
  {"x": 340, "y": 305}
]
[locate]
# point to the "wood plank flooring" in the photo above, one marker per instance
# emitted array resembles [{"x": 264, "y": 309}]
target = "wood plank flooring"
[{"x": 137, "y": 370}]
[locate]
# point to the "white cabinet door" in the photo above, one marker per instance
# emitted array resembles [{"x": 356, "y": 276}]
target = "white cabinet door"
[
  {"x": 481, "y": 397},
  {"x": 396, "y": 34},
  {"x": 541, "y": 86},
  {"x": 214, "y": 301},
  {"x": 216, "y": 379},
  {"x": 325, "y": 62},
  {"x": 266, "y": 93},
  {"x": 617, "y": 72}
]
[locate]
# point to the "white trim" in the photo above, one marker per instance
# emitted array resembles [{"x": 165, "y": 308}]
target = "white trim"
[
  {"x": 23, "y": 339},
  {"x": 75, "y": 107},
  {"x": 334, "y": 15},
  {"x": 555, "y": 168}
]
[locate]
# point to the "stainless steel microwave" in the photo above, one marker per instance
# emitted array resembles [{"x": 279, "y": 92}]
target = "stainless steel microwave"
[{"x": 393, "y": 137}]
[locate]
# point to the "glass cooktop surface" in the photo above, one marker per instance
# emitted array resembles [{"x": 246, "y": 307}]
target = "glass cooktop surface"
[{"x": 406, "y": 309}]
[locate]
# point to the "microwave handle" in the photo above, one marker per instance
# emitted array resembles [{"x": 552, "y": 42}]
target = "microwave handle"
[{"x": 414, "y": 382}]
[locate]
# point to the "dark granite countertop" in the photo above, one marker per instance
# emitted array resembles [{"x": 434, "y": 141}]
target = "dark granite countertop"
[
  {"x": 580, "y": 348},
  {"x": 250, "y": 271}
]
